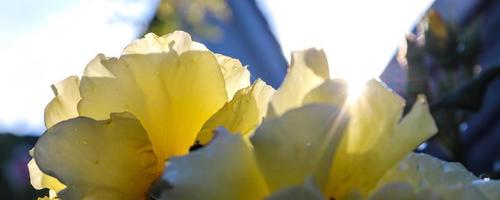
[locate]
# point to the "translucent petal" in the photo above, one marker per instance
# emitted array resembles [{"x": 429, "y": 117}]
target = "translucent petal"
[
  {"x": 375, "y": 141},
  {"x": 332, "y": 92},
  {"x": 178, "y": 41},
  {"x": 39, "y": 180},
  {"x": 171, "y": 95},
  {"x": 235, "y": 75},
  {"x": 109, "y": 159},
  {"x": 447, "y": 179},
  {"x": 314, "y": 59},
  {"x": 403, "y": 191},
  {"x": 298, "y": 144},
  {"x": 196, "y": 91},
  {"x": 108, "y": 86},
  {"x": 225, "y": 169},
  {"x": 308, "y": 69},
  {"x": 240, "y": 115},
  {"x": 400, "y": 191},
  {"x": 307, "y": 191},
  {"x": 63, "y": 105},
  {"x": 489, "y": 188}
]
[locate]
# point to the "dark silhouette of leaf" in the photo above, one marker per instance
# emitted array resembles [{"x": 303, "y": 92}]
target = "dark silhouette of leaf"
[{"x": 469, "y": 96}]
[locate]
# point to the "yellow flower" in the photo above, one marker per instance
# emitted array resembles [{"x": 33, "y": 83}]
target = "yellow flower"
[
  {"x": 279, "y": 155},
  {"x": 376, "y": 137},
  {"x": 316, "y": 142},
  {"x": 163, "y": 90}
]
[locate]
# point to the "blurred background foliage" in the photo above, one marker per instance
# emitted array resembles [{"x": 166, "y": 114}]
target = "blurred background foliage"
[
  {"x": 14, "y": 176},
  {"x": 455, "y": 63},
  {"x": 440, "y": 57},
  {"x": 443, "y": 58},
  {"x": 174, "y": 14}
]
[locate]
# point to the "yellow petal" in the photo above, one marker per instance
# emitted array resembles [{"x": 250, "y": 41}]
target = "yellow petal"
[
  {"x": 63, "y": 105},
  {"x": 314, "y": 59},
  {"x": 307, "y": 191},
  {"x": 308, "y": 69},
  {"x": 39, "y": 180},
  {"x": 196, "y": 91},
  {"x": 178, "y": 41},
  {"x": 171, "y": 95},
  {"x": 108, "y": 86},
  {"x": 446, "y": 179},
  {"x": 375, "y": 141},
  {"x": 109, "y": 159},
  {"x": 489, "y": 188},
  {"x": 374, "y": 117},
  {"x": 400, "y": 191},
  {"x": 240, "y": 115},
  {"x": 298, "y": 144},
  {"x": 262, "y": 94},
  {"x": 225, "y": 169},
  {"x": 403, "y": 191},
  {"x": 235, "y": 75},
  {"x": 332, "y": 92}
]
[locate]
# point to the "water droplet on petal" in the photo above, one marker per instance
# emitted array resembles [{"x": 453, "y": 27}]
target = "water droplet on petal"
[
  {"x": 422, "y": 146},
  {"x": 484, "y": 176}
]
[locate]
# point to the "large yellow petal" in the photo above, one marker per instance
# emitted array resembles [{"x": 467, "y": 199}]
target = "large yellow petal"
[
  {"x": 375, "y": 115},
  {"x": 109, "y": 159},
  {"x": 225, "y": 170},
  {"x": 298, "y": 144},
  {"x": 240, "y": 115},
  {"x": 171, "y": 95},
  {"x": 375, "y": 139},
  {"x": 196, "y": 91},
  {"x": 235, "y": 75},
  {"x": 308, "y": 69},
  {"x": 447, "y": 180},
  {"x": 63, "y": 105},
  {"x": 108, "y": 85}
]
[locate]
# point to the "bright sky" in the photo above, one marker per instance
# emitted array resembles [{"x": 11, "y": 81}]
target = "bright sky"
[
  {"x": 49, "y": 40},
  {"x": 358, "y": 36},
  {"x": 42, "y": 42}
]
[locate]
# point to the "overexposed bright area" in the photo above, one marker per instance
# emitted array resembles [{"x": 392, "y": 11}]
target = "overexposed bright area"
[
  {"x": 358, "y": 36},
  {"x": 42, "y": 42}
]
